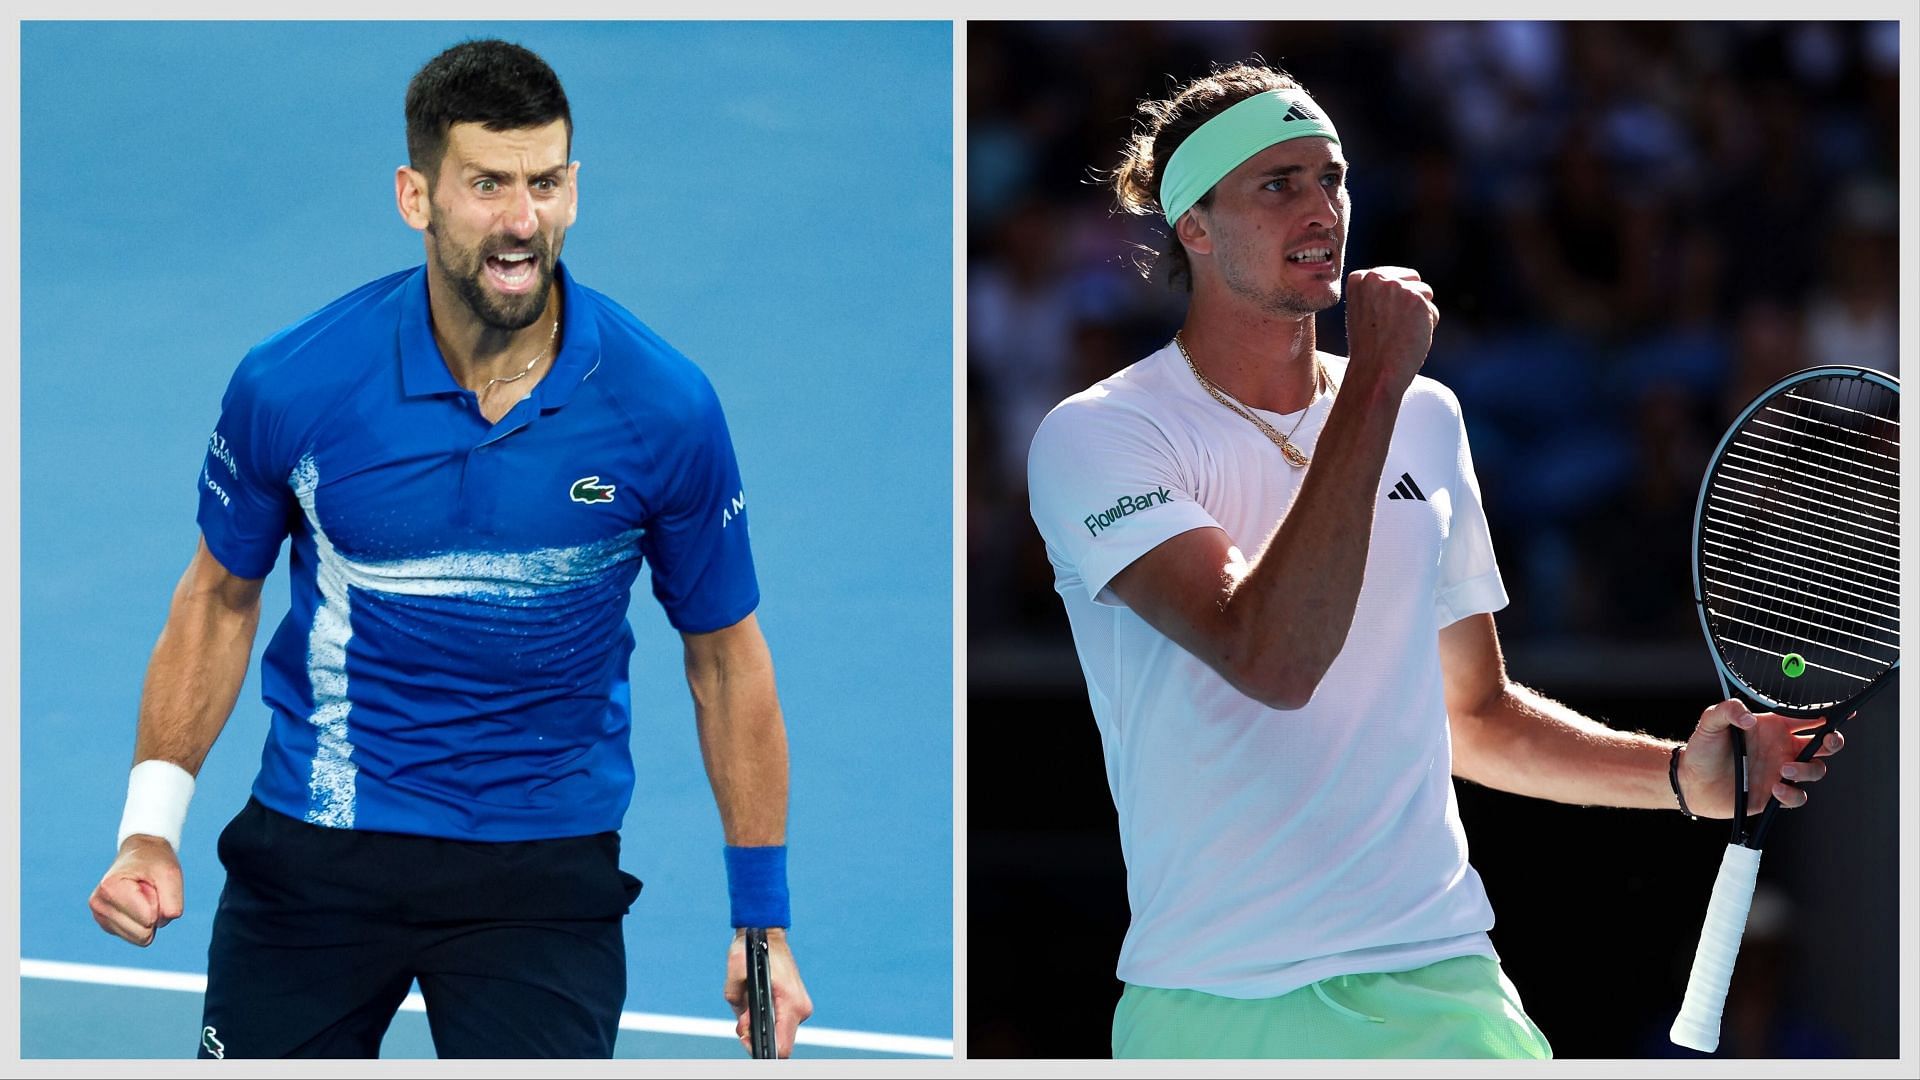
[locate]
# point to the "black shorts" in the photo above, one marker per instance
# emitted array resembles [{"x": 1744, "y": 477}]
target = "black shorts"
[{"x": 321, "y": 932}]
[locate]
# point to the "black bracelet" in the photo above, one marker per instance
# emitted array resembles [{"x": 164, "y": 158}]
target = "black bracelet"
[{"x": 1673, "y": 777}]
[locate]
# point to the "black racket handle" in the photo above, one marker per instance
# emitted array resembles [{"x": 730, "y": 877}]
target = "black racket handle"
[
  {"x": 1813, "y": 747},
  {"x": 759, "y": 996},
  {"x": 1806, "y": 754},
  {"x": 1739, "y": 785}
]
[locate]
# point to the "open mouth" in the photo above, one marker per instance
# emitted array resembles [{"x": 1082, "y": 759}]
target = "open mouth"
[
  {"x": 513, "y": 271},
  {"x": 1315, "y": 258}
]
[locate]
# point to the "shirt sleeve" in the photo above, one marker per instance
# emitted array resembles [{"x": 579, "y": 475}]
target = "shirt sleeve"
[
  {"x": 245, "y": 498},
  {"x": 696, "y": 543},
  {"x": 1106, "y": 488},
  {"x": 1469, "y": 577}
]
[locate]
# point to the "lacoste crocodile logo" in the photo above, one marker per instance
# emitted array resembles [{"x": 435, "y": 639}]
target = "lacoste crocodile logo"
[
  {"x": 210, "y": 1040},
  {"x": 589, "y": 489}
]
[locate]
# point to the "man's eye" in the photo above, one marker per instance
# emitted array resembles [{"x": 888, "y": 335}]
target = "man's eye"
[{"x": 486, "y": 187}]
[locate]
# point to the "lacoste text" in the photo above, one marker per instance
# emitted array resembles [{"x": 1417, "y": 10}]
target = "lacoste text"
[{"x": 218, "y": 491}]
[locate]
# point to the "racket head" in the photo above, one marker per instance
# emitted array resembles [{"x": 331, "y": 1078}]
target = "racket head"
[
  {"x": 1796, "y": 543},
  {"x": 759, "y": 997}
]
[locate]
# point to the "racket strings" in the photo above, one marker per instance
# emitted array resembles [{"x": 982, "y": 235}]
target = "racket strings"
[
  {"x": 1868, "y": 511},
  {"x": 1729, "y": 638},
  {"x": 1803, "y": 457},
  {"x": 1810, "y": 499},
  {"x": 1778, "y": 513},
  {"x": 1888, "y": 419},
  {"x": 1860, "y": 572},
  {"x": 1776, "y": 585},
  {"x": 1848, "y": 586},
  {"x": 1798, "y": 553},
  {"x": 1809, "y": 439},
  {"x": 1772, "y": 604}
]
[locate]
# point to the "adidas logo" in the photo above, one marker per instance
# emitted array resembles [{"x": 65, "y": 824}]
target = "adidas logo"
[
  {"x": 1407, "y": 489},
  {"x": 1300, "y": 112}
]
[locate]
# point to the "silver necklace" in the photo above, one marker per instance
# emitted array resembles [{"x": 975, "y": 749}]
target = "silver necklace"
[
  {"x": 529, "y": 368},
  {"x": 1294, "y": 455}
]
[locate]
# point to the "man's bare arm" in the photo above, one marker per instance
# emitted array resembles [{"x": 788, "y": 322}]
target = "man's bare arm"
[
  {"x": 1509, "y": 737},
  {"x": 193, "y": 679},
  {"x": 743, "y": 741},
  {"x": 1272, "y": 626}
]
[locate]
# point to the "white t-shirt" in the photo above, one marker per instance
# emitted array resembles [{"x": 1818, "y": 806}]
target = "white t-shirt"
[{"x": 1266, "y": 849}]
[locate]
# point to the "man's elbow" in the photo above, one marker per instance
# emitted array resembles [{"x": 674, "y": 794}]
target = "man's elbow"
[
  {"x": 1286, "y": 688},
  {"x": 1281, "y": 673},
  {"x": 210, "y": 587},
  {"x": 1290, "y": 697}
]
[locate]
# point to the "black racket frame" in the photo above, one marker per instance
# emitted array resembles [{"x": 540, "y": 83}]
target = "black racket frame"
[{"x": 1836, "y": 714}]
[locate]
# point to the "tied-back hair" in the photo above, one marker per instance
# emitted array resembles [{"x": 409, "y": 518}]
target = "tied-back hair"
[
  {"x": 497, "y": 84},
  {"x": 1163, "y": 124}
]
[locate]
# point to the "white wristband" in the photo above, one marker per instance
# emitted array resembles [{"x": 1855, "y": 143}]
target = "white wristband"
[{"x": 157, "y": 796}]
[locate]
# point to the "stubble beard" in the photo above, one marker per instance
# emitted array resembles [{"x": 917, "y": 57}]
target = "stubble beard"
[
  {"x": 1282, "y": 301},
  {"x": 465, "y": 269}
]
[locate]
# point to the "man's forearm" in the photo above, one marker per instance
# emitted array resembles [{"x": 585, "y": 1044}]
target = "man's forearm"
[
  {"x": 1293, "y": 609},
  {"x": 1526, "y": 743},
  {"x": 745, "y": 749},
  {"x": 743, "y": 740}
]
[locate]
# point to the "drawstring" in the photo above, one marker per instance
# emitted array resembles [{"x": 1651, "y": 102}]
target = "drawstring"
[{"x": 1339, "y": 1008}]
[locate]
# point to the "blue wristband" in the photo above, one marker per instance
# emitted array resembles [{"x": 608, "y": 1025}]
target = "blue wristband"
[{"x": 757, "y": 885}]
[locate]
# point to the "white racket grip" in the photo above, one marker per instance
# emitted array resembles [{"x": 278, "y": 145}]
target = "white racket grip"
[{"x": 1698, "y": 1025}]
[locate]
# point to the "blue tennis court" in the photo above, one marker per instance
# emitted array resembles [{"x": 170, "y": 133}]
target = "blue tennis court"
[{"x": 774, "y": 199}]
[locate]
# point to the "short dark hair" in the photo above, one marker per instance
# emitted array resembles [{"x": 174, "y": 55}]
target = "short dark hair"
[
  {"x": 1163, "y": 126},
  {"x": 494, "y": 83}
]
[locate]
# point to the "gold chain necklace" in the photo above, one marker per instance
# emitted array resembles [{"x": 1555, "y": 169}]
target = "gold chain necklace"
[
  {"x": 530, "y": 363},
  {"x": 1294, "y": 455}
]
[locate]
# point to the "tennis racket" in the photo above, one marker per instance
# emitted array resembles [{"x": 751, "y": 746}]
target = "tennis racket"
[
  {"x": 759, "y": 997},
  {"x": 1796, "y": 573}
]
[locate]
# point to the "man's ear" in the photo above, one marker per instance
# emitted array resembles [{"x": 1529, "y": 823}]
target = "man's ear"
[
  {"x": 412, "y": 197},
  {"x": 1192, "y": 232}
]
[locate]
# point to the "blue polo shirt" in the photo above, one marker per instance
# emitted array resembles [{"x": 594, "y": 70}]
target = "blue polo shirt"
[{"x": 454, "y": 663}]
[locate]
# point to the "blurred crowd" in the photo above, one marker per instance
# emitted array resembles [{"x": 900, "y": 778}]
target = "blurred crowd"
[{"x": 1631, "y": 229}]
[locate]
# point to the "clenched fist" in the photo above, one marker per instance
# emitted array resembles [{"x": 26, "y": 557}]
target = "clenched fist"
[
  {"x": 1390, "y": 321},
  {"x": 141, "y": 892}
]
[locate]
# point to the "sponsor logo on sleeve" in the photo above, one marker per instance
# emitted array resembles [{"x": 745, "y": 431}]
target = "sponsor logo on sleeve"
[
  {"x": 734, "y": 509},
  {"x": 210, "y": 1039},
  {"x": 217, "y": 449},
  {"x": 1127, "y": 505}
]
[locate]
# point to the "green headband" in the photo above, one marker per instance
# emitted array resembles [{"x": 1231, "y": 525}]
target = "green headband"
[{"x": 1218, "y": 146}]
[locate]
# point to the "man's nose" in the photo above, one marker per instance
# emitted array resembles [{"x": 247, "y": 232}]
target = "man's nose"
[{"x": 520, "y": 218}]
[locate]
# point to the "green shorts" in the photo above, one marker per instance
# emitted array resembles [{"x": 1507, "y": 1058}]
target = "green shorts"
[{"x": 1458, "y": 1008}]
